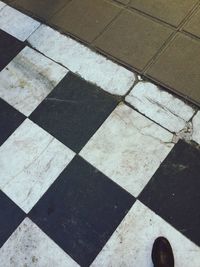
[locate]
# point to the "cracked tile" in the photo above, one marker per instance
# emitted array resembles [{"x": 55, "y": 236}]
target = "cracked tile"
[
  {"x": 81, "y": 60},
  {"x": 29, "y": 246},
  {"x": 16, "y": 23},
  {"x": 128, "y": 148},
  {"x": 160, "y": 106},
  {"x": 132, "y": 242},
  {"x": 30, "y": 161},
  {"x": 28, "y": 79},
  {"x": 196, "y": 128}
]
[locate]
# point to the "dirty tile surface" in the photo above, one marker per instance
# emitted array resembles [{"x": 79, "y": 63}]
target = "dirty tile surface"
[
  {"x": 131, "y": 243},
  {"x": 89, "y": 151},
  {"x": 176, "y": 185},
  {"x": 132, "y": 32},
  {"x": 170, "y": 68},
  {"x": 89, "y": 213},
  {"x": 122, "y": 164},
  {"x": 85, "y": 19},
  {"x": 81, "y": 60},
  {"x": 160, "y": 106},
  {"x": 74, "y": 105},
  {"x": 16, "y": 23},
  {"x": 128, "y": 46},
  {"x": 24, "y": 89},
  {"x": 171, "y": 11}
]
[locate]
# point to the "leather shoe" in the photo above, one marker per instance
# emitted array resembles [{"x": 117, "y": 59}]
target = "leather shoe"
[{"x": 162, "y": 254}]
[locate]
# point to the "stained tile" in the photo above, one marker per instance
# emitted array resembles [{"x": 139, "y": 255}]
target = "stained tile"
[
  {"x": 140, "y": 41},
  {"x": 10, "y": 119},
  {"x": 29, "y": 246},
  {"x": 128, "y": 148},
  {"x": 16, "y": 23},
  {"x": 83, "y": 208},
  {"x": 11, "y": 216},
  {"x": 172, "y": 71},
  {"x": 160, "y": 106},
  {"x": 171, "y": 11},
  {"x": 30, "y": 161},
  {"x": 28, "y": 79},
  {"x": 192, "y": 26},
  {"x": 131, "y": 244},
  {"x": 9, "y": 48},
  {"x": 176, "y": 185},
  {"x": 81, "y": 60},
  {"x": 43, "y": 9},
  {"x": 74, "y": 111},
  {"x": 196, "y": 128},
  {"x": 86, "y": 19}
]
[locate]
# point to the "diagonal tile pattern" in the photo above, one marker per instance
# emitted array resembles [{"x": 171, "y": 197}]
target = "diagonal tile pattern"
[
  {"x": 132, "y": 32},
  {"x": 87, "y": 157}
]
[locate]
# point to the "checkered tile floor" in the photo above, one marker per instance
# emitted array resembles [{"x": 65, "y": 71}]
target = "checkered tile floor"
[{"x": 95, "y": 163}]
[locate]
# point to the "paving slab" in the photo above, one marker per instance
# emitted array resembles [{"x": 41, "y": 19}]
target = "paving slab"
[
  {"x": 192, "y": 26},
  {"x": 171, "y": 11},
  {"x": 178, "y": 67},
  {"x": 85, "y": 19},
  {"x": 133, "y": 39},
  {"x": 43, "y": 9}
]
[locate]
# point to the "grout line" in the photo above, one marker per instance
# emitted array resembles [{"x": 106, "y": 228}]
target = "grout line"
[
  {"x": 171, "y": 38},
  {"x": 108, "y": 25}
]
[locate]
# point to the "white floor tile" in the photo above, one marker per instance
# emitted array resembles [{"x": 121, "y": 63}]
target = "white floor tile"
[
  {"x": 28, "y": 246},
  {"x": 28, "y": 79},
  {"x": 132, "y": 242},
  {"x": 17, "y": 24},
  {"x": 2, "y": 4},
  {"x": 81, "y": 60},
  {"x": 128, "y": 148},
  {"x": 196, "y": 128},
  {"x": 160, "y": 106},
  {"x": 30, "y": 161}
]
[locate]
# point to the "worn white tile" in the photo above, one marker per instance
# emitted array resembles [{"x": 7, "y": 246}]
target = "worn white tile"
[
  {"x": 160, "y": 106},
  {"x": 81, "y": 60},
  {"x": 196, "y": 128},
  {"x": 131, "y": 244},
  {"x": 128, "y": 148},
  {"x": 30, "y": 161},
  {"x": 17, "y": 24},
  {"x": 28, "y": 79},
  {"x": 29, "y": 246},
  {"x": 2, "y": 4}
]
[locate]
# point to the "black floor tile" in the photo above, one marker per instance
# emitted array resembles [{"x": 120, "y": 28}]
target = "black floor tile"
[
  {"x": 74, "y": 111},
  {"x": 174, "y": 190},
  {"x": 9, "y": 48},
  {"x": 10, "y": 217},
  {"x": 10, "y": 119},
  {"x": 81, "y": 210}
]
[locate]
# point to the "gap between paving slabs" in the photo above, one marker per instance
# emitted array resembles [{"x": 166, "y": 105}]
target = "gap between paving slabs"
[
  {"x": 185, "y": 133},
  {"x": 123, "y": 5}
]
